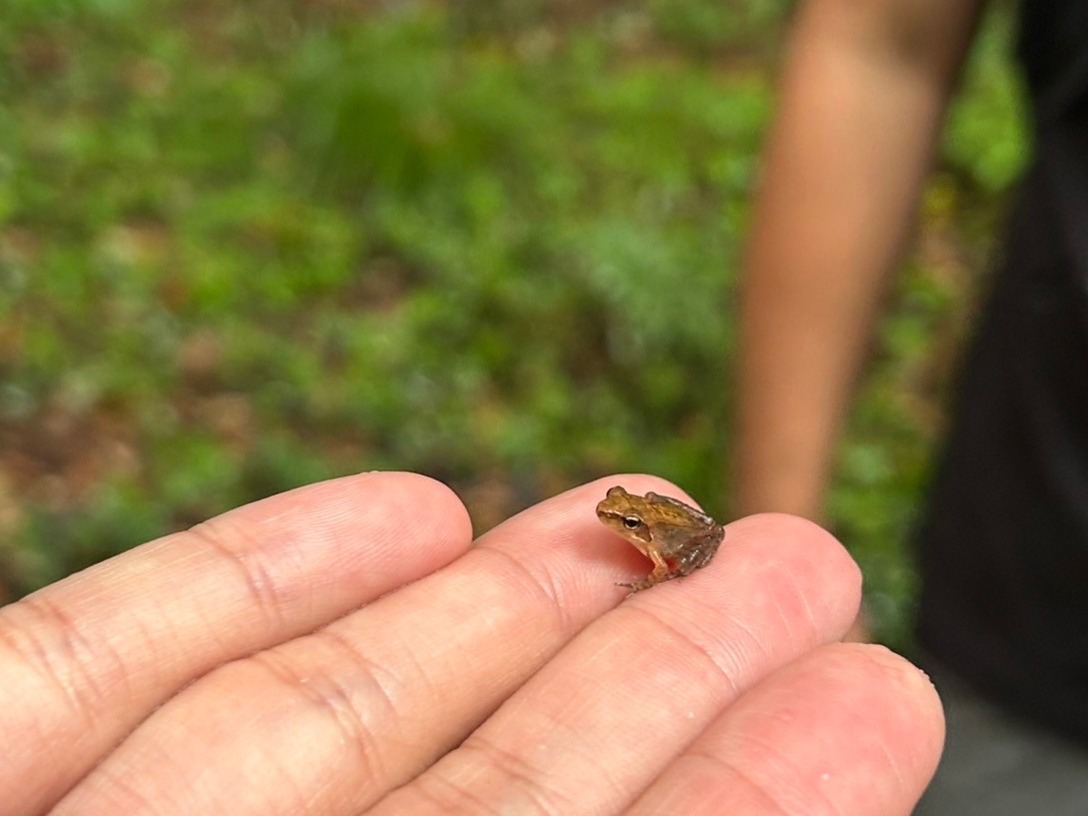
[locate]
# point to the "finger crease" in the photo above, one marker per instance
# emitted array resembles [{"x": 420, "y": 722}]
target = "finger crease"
[
  {"x": 810, "y": 614},
  {"x": 545, "y": 586},
  {"x": 513, "y": 766},
  {"x": 66, "y": 661},
  {"x": 449, "y": 797},
  {"x": 760, "y": 789},
  {"x": 793, "y": 770},
  {"x": 258, "y": 581},
  {"x": 336, "y": 700},
  {"x": 680, "y": 636}
]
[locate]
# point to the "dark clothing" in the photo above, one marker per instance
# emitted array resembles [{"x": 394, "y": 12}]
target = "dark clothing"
[{"x": 1004, "y": 543}]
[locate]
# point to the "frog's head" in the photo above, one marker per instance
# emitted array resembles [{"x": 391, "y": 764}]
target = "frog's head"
[{"x": 626, "y": 514}]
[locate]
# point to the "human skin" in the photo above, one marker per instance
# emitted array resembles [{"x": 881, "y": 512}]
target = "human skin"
[
  {"x": 344, "y": 648},
  {"x": 863, "y": 92}
]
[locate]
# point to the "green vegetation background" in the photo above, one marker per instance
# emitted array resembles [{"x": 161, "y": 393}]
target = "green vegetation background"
[{"x": 248, "y": 246}]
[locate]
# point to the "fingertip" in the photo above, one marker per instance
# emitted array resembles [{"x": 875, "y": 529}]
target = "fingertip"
[
  {"x": 850, "y": 728},
  {"x": 347, "y": 504},
  {"x": 905, "y": 692},
  {"x": 801, "y": 533},
  {"x": 809, "y": 549},
  {"x": 360, "y": 535},
  {"x": 881, "y": 699},
  {"x": 425, "y": 493}
]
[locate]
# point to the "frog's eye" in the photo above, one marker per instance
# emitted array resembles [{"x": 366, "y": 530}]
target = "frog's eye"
[{"x": 632, "y": 522}]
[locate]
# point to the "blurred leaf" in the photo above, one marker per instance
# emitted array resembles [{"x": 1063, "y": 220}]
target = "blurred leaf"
[{"x": 244, "y": 247}]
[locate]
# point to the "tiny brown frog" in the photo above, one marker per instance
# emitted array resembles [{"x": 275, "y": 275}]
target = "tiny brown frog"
[{"x": 678, "y": 538}]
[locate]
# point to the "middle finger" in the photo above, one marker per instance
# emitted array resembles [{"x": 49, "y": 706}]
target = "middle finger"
[{"x": 598, "y": 723}]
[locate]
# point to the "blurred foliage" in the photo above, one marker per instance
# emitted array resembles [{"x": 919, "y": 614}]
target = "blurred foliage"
[{"x": 246, "y": 247}]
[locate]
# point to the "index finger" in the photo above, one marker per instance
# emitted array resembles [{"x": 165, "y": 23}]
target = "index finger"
[{"x": 151, "y": 620}]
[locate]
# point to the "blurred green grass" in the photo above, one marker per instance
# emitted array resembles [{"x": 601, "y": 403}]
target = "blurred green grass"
[{"x": 247, "y": 247}]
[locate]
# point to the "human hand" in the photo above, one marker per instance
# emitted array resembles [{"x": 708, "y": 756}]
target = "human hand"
[{"x": 340, "y": 649}]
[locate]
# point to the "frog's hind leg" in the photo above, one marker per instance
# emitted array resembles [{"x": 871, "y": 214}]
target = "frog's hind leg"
[{"x": 694, "y": 559}]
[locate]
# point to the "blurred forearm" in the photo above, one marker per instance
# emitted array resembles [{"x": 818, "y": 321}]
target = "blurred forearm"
[{"x": 862, "y": 97}]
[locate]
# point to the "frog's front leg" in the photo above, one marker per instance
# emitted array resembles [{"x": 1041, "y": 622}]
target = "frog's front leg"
[{"x": 660, "y": 573}]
